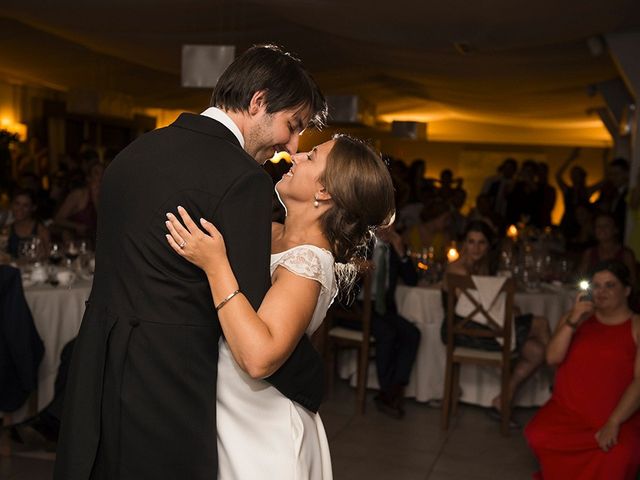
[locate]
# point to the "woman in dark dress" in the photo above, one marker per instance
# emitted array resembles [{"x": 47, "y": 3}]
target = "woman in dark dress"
[
  {"x": 25, "y": 226},
  {"x": 532, "y": 332}
]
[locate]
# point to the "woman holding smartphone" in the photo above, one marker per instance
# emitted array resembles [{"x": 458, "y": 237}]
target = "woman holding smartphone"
[{"x": 590, "y": 428}]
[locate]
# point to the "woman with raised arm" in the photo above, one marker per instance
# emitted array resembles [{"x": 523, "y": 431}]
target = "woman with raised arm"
[
  {"x": 575, "y": 194},
  {"x": 334, "y": 196}
]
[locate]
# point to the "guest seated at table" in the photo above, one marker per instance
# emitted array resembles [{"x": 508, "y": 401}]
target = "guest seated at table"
[
  {"x": 33, "y": 183},
  {"x": 396, "y": 338},
  {"x": 5, "y": 200},
  {"x": 532, "y": 332},
  {"x": 608, "y": 247},
  {"x": 78, "y": 212},
  {"x": 590, "y": 428},
  {"x": 433, "y": 231},
  {"x": 21, "y": 349},
  {"x": 25, "y": 226},
  {"x": 47, "y": 422}
]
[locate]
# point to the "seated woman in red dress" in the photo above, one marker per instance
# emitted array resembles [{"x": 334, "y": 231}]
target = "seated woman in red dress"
[{"x": 590, "y": 428}]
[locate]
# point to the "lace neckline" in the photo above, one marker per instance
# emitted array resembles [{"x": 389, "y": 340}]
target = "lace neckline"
[{"x": 303, "y": 245}]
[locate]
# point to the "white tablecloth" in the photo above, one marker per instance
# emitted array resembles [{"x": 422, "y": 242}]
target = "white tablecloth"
[
  {"x": 57, "y": 314},
  {"x": 423, "y": 307}
]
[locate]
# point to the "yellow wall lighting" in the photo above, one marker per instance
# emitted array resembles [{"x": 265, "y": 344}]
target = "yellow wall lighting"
[{"x": 14, "y": 127}]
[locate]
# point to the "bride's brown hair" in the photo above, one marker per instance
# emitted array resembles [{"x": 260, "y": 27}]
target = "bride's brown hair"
[{"x": 362, "y": 197}]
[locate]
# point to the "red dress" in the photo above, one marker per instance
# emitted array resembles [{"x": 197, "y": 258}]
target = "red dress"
[{"x": 589, "y": 384}]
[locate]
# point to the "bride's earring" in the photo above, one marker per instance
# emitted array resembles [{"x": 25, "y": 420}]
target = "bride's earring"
[{"x": 316, "y": 203}]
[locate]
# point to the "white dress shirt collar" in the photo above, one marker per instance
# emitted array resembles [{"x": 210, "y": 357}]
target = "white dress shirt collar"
[{"x": 223, "y": 118}]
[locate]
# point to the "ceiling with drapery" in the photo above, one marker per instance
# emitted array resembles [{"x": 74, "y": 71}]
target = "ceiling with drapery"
[{"x": 496, "y": 70}]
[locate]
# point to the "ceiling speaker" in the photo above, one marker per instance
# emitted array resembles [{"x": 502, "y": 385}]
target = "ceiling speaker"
[
  {"x": 202, "y": 65},
  {"x": 410, "y": 130}
]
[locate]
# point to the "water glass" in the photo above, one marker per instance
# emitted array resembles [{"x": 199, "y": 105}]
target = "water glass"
[
  {"x": 71, "y": 251},
  {"x": 28, "y": 250},
  {"x": 55, "y": 254}
]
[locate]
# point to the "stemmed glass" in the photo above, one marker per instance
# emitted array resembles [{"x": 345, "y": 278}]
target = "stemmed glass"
[
  {"x": 29, "y": 250},
  {"x": 71, "y": 251},
  {"x": 55, "y": 254},
  {"x": 506, "y": 263}
]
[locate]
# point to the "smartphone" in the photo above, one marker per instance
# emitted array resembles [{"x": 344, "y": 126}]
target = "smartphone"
[{"x": 587, "y": 295}]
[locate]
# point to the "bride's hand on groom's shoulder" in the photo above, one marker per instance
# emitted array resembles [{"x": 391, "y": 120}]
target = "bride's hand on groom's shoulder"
[{"x": 206, "y": 250}]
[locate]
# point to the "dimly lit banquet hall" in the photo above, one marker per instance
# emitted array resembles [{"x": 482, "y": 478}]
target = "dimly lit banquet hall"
[{"x": 316, "y": 240}]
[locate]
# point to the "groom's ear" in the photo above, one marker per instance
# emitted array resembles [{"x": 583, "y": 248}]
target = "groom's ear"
[{"x": 258, "y": 101}]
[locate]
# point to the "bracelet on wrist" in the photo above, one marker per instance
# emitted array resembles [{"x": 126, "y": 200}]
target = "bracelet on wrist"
[
  {"x": 571, "y": 325},
  {"x": 226, "y": 299}
]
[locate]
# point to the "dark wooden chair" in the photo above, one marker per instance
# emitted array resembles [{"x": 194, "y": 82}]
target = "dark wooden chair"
[
  {"x": 339, "y": 337},
  {"x": 457, "y": 286}
]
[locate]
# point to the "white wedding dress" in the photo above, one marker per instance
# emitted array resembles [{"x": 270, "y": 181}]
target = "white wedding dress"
[{"x": 261, "y": 433}]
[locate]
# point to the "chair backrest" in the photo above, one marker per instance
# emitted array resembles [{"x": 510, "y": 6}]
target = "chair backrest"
[
  {"x": 367, "y": 301},
  {"x": 356, "y": 314},
  {"x": 463, "y": 285},
  {"x": 359, "y": 316}
]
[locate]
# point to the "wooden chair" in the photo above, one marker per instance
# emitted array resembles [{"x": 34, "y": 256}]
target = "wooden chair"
[
  {"x": 458, "y": 285},
  {"x": 339, "y": 337}
]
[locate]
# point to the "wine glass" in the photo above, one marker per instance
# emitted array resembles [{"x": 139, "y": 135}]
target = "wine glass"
[
  {"x": 55, "y": 254},
  {"x": 71, "y": 252},
  {"x": 565, "y": 271},
  {"x": 83, "y": 247},
  {"x": 28, "y": 250}
]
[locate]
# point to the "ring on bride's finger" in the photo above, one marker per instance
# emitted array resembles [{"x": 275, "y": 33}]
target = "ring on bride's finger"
[{"x": 183, "y": 244}]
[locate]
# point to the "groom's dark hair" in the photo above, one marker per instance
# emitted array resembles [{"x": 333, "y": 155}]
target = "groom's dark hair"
[{"x": 281, "y": 75}]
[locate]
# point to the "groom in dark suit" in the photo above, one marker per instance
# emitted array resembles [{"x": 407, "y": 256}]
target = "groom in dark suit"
[{"x": 141, "y": 397}]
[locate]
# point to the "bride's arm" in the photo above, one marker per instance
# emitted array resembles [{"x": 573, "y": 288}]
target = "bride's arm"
[{"x": 259, "y": 341}]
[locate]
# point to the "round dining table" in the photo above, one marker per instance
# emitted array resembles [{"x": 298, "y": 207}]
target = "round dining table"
[
  {"x": 423, "y": 307},
  {"x": 479, "y": 385},
  {"x": 57, "y": 313}
]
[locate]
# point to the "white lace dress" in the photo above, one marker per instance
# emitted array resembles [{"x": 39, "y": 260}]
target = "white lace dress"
[{"x": 261, "y": 433}]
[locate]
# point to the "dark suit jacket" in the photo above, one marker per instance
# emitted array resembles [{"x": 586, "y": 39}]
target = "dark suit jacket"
[
  {"x": 140, "y": 403},
  {"x": 398, "y": 268},
  {"x": 21, "y": 348}
]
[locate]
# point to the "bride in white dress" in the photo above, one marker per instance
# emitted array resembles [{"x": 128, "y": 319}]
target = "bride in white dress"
[{"x": 335, "y": 196}]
